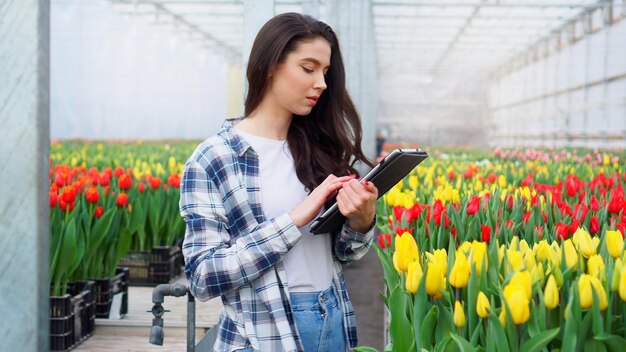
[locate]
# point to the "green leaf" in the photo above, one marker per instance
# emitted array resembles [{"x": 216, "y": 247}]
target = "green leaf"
[
  {"x": 462, "y": 343},
  {"x": 538, "y": 342},
  {"x": 615, "y": 343},
  {"x": 365, "y": 349},
  {"x": 496, "y": 337},
  {"x": 428, "y": 326},
  {"x": 402, "y": 340}
]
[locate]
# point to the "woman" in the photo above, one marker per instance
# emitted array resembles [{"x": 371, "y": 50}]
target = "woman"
[{"x": 249, "y": 193}]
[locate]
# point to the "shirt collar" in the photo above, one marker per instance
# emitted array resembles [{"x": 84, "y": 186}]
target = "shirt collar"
[{"x": 238, "y": 144}]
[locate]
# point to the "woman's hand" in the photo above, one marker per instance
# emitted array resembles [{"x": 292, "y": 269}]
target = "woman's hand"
[
  {"x": 357, "y": 202},
  {"x": 310, "y": 207}
]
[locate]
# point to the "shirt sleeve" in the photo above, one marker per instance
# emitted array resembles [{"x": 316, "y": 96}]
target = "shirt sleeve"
[
  {"x": 352, "y": 245},
  {"x": 214, "y": 263}
]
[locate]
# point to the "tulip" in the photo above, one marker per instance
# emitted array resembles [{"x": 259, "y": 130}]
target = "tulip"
[
  {"x": 482, "y": 305},
  {"x": 459, "y": 315},
  {"x": 551, "y": 293},
  {"x": 514, "y": 260},
  {"x": 517, "y": 299},
  {"x": 53, "y": 199},
  {"x": 98, "y": 212},
  {"x": 459, "y": 275},
  {"x": 622, "y": 285},
  {"x": 587, "y": 283},
  {"x": 595, "y": 266},
  {"x": 435, "y": 280},
  {"x": 155, "y": 182},
  {"x": 414, "y": 276},
  {"x": 92, "y": 195},
  {"x": 584, "y": 242},
  {"x": 571, "y": 256},
  {"x": 522, "y": 279},
  {"x": 478, "y": 256},
  {"x": 125, "y": 182},
  {"x": 537, "y": 273},
  {"x": 614, "y": 243},
  {"x": 406, "y": 252},
  {"x": 122, "y": 199},
  {"x": 617, "y": 272},
  {"x": 439, "y": 257}
]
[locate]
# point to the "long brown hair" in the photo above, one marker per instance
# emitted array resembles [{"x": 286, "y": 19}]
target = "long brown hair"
[{"x": 328, "y": 140}]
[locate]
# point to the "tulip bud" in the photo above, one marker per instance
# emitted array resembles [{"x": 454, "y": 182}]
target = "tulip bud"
[
  {"x": 585, "y": 243},
  {"x": 435, "y": 280},
  {"x": 414, "y": 276},
  {"x": 551, "y": 293},
  {"x": 517, "y": 299},
  {"x": 514, "y": 259},
  {"x": 482, "y": 305},
  {"x": 587, "y": 283},
  {"x": 617, "y": 271},
  {"x": 478, "y": 255},
  {"x": 595, "y": 266},
  {"x": 571, "y": 256},
  {"x": 523, "y": 280},
  {"x": 614, "y": 243},
  {"x": 439, "y": 257},
  {"x": 558, "y": 275},
  {"x": 459, "y": 315},
  {"x": 459, "y": 275},
  {"x": 622, "y": 285},
  {"x": 406, "y": 251}
]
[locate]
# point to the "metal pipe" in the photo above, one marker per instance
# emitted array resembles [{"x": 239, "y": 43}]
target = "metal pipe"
[{"x": 191, "y": 323}]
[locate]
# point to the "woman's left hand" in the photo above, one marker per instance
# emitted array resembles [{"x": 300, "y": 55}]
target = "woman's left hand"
[{"x": 357, "y": 202}]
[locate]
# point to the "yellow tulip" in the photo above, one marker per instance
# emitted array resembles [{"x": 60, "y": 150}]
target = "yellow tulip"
[
  {"x": 439, "y": 257},
  {"x": 617, "y": 272},
  {"x": 587, "y": 283},
  {"x": 464, "y": 248},
  {"x": 622, "y": 285},
  {"x": 595, "y": 266},
  {"x": 568, "y": 307},
  {"x": 514, "y": 260},
  {"x": 459, "y": 275},
  {"x": 584, "y": 242},
  {"x": 435, "y": 280},
  {"x": 551, "y": 293},
  {"x": 614, "y": 243},
  {"x": 478, "y": 256},
  {"x": 529, "y": 260},
  {"x": 571, "y": 255},
  {"x": 522, "y": 279},
  {"x": 518, "y": 302},
  {"x": 482, "y": 305},
  {"x": 459, "y": 315},
  {"x": 406, "y": 251},
  {"x": 537, "y": 273},
  {"x": 502, "y": 317},
  {"x": 514, "y": 244},
  {"x": 524, "y": 247},
  {"x": 414, "y": 276}
]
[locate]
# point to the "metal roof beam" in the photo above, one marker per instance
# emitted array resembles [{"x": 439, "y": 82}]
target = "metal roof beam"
[{"x": 539, "y": 5}]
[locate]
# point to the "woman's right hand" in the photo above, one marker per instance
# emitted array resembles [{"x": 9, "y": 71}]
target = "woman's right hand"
[{"x": 310, "y": 207}]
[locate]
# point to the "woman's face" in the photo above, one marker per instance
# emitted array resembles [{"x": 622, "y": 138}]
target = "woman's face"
[{"x": 298, "y": 82}]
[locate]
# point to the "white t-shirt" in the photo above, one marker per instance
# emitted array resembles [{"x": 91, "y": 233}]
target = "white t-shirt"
[{"x": 309, "y": 263}]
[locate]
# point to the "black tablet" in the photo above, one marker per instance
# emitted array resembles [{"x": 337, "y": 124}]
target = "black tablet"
[{"x": 393, "y": 168}]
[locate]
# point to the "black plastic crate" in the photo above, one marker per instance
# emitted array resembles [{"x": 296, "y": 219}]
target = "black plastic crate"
[
  {"x": 159, "y": 266},
  {"x": 61, "y": 323},
  {"x": 119, "y": 284},
  {"x": 85, "y": 290},
  {"x": 103, "y": 297}
]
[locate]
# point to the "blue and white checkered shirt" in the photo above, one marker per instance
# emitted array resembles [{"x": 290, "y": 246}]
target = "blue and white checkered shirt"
[{"x": 231, "y": 250}]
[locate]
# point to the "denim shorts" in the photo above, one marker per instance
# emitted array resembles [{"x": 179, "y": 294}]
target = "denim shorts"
[{"x": 319, "y": 320}]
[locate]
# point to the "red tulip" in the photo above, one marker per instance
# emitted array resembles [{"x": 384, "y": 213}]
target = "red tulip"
[
  {"x": 438, "y": 209},
  {"x": 122, "y": 199},
  {"x": 63, "y": 205},
  {"x": 562, "y": 231},
  {"x": 594, "y": 226},
  {"x": 155, "y": 182},
  {"x": 593, "y": 203},
  {"x": 105, "y": 179},
  {"x": 118, "y": 171},
  {"x": 69, "y": 194},
  {"x": 509, "y": 224},
  {"x": 142, "y": 187},
  {"x": 98, "y": 213},
  {"x": 485, "y": 233},
  {"x": 92, "y": 195},
  {"x": 125, "y": 182},
  {"x": 398, "y": 211},
  {"x": 53, "y": 199},
  {"x": 473, "y": 206},
  {"x": 174, "y": 180}
]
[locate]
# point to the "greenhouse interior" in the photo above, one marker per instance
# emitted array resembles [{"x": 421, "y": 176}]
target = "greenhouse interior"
[{"x": 461, "y": 161}]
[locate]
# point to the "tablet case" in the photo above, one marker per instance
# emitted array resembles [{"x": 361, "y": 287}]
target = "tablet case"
[{"x": 393, "y": 168}]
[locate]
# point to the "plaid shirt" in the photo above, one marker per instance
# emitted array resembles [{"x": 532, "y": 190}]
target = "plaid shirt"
[{"x": 231, "y": 250}]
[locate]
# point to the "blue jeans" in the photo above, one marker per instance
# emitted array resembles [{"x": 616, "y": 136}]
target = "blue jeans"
[{"x": 319, "y": 320}]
